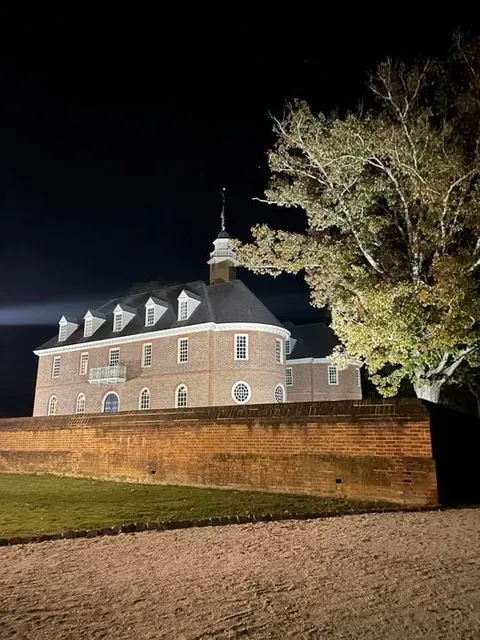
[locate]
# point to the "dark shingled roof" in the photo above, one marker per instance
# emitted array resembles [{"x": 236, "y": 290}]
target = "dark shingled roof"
[
  {"x": 315, "y": 340},
  {"x": 220, "y": 303}
]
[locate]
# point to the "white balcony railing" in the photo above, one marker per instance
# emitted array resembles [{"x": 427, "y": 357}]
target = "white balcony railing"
[{"x": 108, "y": 375}]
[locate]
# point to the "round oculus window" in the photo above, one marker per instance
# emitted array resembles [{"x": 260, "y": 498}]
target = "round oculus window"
[{"x": 241, "y": 392}]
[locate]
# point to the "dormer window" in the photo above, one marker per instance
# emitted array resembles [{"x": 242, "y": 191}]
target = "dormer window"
[
  {"x": 92, "y": 321},
  {"x": 154, "y": 310},
  {"x": 66, "y": 327},
  {"x": 118, "y": 322},
  {"x": 88, "y": 328},
  {"x": 122, "y": 314},
  {"x": 183, "y": 310},
  {"x": 187, "y": 303},
  {"x": 150, "y": 317},
  {"x": 290, "y": 345}
]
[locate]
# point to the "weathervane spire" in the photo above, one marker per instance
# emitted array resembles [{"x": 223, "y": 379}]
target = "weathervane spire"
[{"x": 222, "y": 215}]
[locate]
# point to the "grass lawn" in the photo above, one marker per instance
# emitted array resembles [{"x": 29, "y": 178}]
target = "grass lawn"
[{"x": 31, "y": 504}]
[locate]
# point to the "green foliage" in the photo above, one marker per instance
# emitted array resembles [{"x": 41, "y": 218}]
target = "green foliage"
[
  {"x": 392, "y": 202},
  {"x": 31, "y": 504}
]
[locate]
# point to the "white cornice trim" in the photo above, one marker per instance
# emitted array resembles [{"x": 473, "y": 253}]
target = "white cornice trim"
[
  {"x": 166, "y": 333},
  {"x": 289, "y": 361}
]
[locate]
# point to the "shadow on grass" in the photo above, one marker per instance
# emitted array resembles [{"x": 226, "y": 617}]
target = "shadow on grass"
[{"x": 42, "y": 504}]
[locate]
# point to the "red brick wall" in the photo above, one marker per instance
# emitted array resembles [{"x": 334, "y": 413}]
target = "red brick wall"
[
  {"x": 209, "y": 374},
  {"x": 360, "y": 449},
  {"x": 310, "y": 382}
]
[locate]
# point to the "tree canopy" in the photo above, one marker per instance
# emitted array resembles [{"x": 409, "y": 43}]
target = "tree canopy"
[{"x": 392, "y": 202}]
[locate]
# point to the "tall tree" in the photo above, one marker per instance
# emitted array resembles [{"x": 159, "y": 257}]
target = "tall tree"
[{"x": 392, "y": 202}]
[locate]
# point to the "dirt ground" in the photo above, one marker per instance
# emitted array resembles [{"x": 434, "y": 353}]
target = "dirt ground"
[{"x": 395, "y": 575}]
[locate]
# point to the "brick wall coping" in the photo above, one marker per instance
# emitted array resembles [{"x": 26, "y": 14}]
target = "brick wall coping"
[{"x": 344, "y": 410}]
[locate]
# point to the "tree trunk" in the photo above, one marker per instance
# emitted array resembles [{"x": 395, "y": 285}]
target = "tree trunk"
[
  {"x": 476, "y": 395},
  {"x": 428, "y": 391}
]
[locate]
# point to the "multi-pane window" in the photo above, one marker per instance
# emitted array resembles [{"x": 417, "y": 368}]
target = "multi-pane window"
[
  {"x": 150, "y": 317},
  {"x": 183, "y": 350},
  {"x": 117, "y": 323},
  {"x": 88, "y": 327},
  {"x": 241, "y": 392},
  {"x": 279, "y": 393},
  {"x": 332, "y": 374},
  {"x": 358, "y": 378},
  {"x": 183, "y": 310},
  {"x": 83, "y": 364},
  {"x": 52, "y": 406},
  {"x": 241, "y": 346},
  {"x": 181, "y": 397},
  {"x": 56, "y": 367},
  {"x": 80, "y": 404},
  {"x": 62, "y": 333},
  {"x": 287, "y": 346},
  {"x": 114, "y": 358},
  {"x": 278, "y": 351},
  {"x": 144, "y": 401},
  {"x": 289, "y": 376},
  {"x": 147, "y": 355}
]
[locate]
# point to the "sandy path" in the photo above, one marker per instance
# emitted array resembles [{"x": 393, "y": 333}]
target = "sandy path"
[{"x": 374, "y": 576}]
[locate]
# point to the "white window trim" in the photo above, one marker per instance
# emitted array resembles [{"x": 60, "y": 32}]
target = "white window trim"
[
  {"x": 88, "y": 328},
  {"x": 179, "y": 360},
  {"x": 116, "y": 315},
  {"x": 279, "y": 341},
  {"x": 283, "y": 391},
  {"x": 331, "y": 367},
  {"x": 157, "y": 307},
  {"x": 240, "y": 335},
  {"x": 65, "y": 328},
  {"x": 358, "y": 377},
  {"x": 180, "y": 386},
  {"x": 62, "y": 332},
  {"x": 77, "y": 412},
  {"x": 55, "y": 360},
  {"x": 140, "y": 400},
  {"x": 287, "y": 347},
  {"x": 183, "y": 310},
  {"x": 148, "y": 311},
  {"x": 192, "y": 304},
  {"x": 287, "y": 383},
  {"x": 93, "y": 322},
  {"x": 52, "y": 397},
  {"x": 144, "y": 347},
  {"x": 80, "y": 371},
  {"x": 249, "y": 392},
  {"x": 110, "y": 357},
  {"x": 106, "y": 396}
]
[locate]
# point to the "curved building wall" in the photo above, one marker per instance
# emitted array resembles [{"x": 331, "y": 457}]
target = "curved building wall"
[{"x": 209, "y": 373}]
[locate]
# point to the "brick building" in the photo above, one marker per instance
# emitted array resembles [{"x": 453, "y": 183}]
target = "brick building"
[{"x": 187, "y": 345}]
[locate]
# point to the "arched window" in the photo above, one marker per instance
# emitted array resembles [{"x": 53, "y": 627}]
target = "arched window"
[
  {"x": 144, "y": 399},
  {"x": 80, "y": 404},
  {"x": 279, "y": 393},
  {"x": 181, "y": 397},
  {"x": 52, "y": 406},
  {"x": 111, "y": 403},
  {"x": 241, "y": 392}
]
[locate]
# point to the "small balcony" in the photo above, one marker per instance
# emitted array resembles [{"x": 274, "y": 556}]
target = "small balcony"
[{"x": 108, "y": 375}]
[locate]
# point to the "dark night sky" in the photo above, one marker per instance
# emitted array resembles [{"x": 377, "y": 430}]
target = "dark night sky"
[{"x": 117, "y": 134}]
